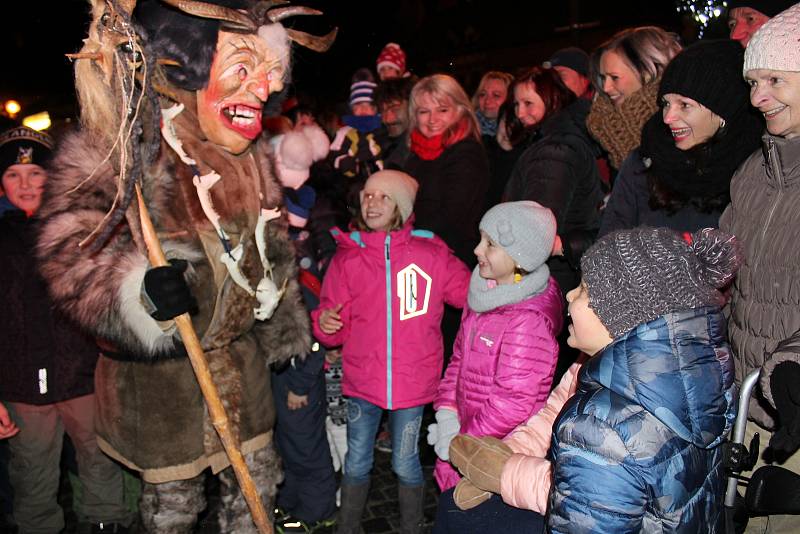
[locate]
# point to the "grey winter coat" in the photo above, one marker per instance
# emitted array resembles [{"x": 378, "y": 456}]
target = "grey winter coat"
[{"x": 765, "y": 305}]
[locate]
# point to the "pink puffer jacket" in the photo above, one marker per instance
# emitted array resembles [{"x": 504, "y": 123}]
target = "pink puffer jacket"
[
  {"x": 393, "y": 288},
  {"x": 502, "y": 368},
  {"x": 526, "y": 478}
]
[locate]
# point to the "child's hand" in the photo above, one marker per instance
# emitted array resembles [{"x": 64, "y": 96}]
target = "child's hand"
[
  {"x": 333, "y": 356},
  {"x": 7, "y": 427},
  {"x": 295, "y": 402},
  {"x": 330, "y": 321},
  {"x": 441, "y": 433}
]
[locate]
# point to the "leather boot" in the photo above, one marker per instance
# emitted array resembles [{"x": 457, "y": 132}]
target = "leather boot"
[
  {"x": 354, "y": 498},
  {"x": 411, "y": 504}
]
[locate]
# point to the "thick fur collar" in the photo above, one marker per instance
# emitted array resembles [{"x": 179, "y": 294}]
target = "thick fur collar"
[
  {"x": 94, "y": 290},
  {"x": 100, "y": 291}
]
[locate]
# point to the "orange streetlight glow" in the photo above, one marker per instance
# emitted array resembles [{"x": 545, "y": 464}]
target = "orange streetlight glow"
[{"x": 12, "y": 107}]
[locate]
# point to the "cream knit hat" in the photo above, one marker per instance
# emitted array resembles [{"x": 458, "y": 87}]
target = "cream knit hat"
[
  {"x": 776, "y": 45},
  {"x": 398, "y": 185}
]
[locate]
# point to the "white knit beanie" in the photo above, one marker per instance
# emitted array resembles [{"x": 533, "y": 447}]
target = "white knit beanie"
[
  {"x": 399, "y": 186},
  {"x": 776, "y": 45}
]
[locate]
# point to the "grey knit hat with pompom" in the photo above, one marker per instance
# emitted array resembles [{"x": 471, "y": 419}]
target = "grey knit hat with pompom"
[
  {"x": 525, "y": 229},
  {"x": 635, "y": 276}
]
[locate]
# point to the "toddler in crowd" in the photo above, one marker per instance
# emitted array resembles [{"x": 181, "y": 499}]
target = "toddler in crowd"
[
  {"x": 382, "y": 299},
  {"x": 630, "y": 440},
  {"x": 506, "y": 350}
]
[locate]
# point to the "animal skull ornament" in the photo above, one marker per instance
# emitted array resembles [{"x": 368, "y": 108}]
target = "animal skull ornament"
[{"x": 268, "y": 296}]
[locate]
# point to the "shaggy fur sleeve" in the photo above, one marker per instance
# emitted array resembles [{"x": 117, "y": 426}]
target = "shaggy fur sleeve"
[
  {"x": 288, "y": 332},
  {"x": 101, "y": 292}
]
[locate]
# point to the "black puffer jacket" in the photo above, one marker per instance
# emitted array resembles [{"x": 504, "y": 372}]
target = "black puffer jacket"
[
  {"x": 559, "y": 171},
  {"x": 629, "y": 204},
  {"x": 451, "y": 194},
  {"x": 46, "y": 359}
]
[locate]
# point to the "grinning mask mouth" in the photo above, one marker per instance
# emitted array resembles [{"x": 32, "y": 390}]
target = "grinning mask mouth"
[{"x": 243, "y": 119}]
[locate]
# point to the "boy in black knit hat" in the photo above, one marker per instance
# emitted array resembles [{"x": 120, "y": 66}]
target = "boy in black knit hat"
[
  {"x": 47, "y": 375},
  {"x": 24, "y": 152}
]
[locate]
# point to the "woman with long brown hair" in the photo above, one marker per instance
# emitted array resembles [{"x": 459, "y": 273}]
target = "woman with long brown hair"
[{"x": 558, "y": 169}]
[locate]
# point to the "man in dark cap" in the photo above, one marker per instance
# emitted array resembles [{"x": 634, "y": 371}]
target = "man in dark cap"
[
  {"x": 747, "y": 16},
  {"x": 572, "y": 65}
]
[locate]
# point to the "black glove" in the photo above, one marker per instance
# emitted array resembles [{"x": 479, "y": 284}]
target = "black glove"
[
  {"x": 167, "y": 290},
  {"x": 785, "y": 385}
]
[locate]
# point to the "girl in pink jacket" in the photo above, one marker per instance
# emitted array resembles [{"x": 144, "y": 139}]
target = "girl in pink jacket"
[
  {"x": 505, "y": 353},
  {"x": 382, "y": 299}
]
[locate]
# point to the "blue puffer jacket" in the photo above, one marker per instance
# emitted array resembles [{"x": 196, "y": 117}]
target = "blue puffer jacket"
[{"x": 636, "y": 449}]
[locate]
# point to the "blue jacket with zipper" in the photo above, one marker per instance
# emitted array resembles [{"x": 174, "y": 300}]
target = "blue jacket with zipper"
[{"x": 637, "y": 448}]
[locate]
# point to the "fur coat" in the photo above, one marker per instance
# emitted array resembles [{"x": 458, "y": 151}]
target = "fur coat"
[{"x": 151, "y": 414}]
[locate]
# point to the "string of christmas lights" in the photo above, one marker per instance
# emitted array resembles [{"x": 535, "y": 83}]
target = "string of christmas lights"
[{"x": 702, "y": 11}]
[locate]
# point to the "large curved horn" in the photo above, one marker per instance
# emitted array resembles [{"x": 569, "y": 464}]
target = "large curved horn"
[
  {"x": 277, "y": 14},
  {"x": 313, "y": 42},
  {"x": 261, "y": 7},
  {"x": 234, "y": 19}
]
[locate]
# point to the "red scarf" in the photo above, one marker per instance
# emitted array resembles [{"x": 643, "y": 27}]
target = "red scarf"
[
  {"x": 427, "y": 148},
  {"x": 430, "y": 148}
]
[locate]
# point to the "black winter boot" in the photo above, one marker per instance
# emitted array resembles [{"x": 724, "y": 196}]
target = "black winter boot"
[
  {"x": 354, "y": 498},
  {"x": 411, "y": 504}
]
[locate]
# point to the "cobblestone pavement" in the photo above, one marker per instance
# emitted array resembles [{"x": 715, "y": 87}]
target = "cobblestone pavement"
[{"x": 380, "y": 517}]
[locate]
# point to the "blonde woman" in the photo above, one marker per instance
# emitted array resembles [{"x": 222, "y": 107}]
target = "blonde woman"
[
  {"x": 448, "y": 161},
  {"x": 490, "y": 95},
  {"x": 626, "y": 71}
]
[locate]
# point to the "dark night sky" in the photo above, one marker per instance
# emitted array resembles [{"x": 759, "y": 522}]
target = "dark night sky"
[{"x": 463, "y": 37}]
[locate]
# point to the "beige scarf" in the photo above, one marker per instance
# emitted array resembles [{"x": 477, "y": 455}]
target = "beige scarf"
[{"x": 618, "y": 129}]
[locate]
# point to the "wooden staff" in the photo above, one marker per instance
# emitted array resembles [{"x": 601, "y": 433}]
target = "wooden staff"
[{"x": 215, "y": 409}]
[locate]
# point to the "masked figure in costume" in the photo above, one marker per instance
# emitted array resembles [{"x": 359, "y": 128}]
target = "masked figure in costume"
[{"x": 171, "y": 99}]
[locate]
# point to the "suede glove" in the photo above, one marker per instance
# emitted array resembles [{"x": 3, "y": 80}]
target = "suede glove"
[
  {"x": 167, "y": 290},
  {"x": 467, "y": 495},
  {"x": 481, "y": 460},
  {"x": 441, "y": 433},
  {"x": 785, "y": 385}
]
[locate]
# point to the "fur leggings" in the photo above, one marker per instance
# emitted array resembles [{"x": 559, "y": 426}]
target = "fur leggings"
[{"x": 172, "y": 507}]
